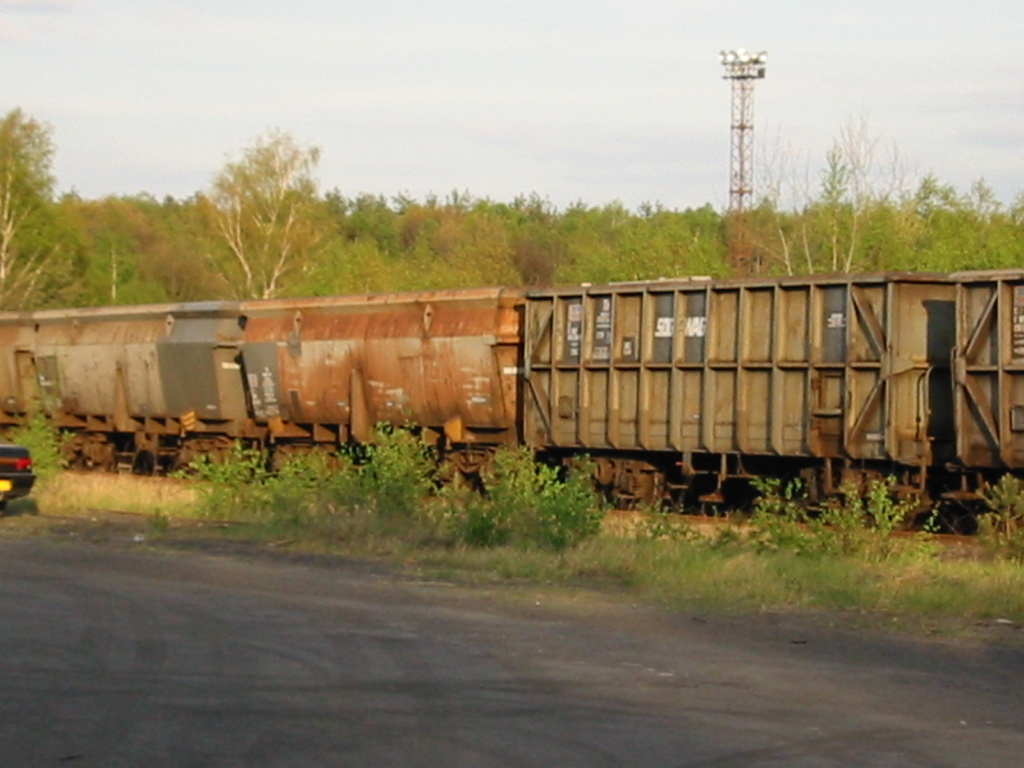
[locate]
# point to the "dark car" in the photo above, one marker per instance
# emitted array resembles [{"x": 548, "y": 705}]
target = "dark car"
[{"x": 16, "y": 475}]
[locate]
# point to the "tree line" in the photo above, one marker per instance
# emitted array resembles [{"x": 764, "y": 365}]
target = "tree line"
[{"x": 264, "y": 228}]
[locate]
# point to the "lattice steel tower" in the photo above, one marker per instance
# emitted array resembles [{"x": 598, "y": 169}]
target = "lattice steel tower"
[{"x": 742, "y": 68}]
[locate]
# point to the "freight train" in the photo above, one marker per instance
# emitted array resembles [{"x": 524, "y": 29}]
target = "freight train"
[{"x": 677, "y": 390}]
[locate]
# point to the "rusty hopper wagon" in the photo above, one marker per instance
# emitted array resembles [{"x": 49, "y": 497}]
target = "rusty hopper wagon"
[
  {"x": 327, "y": 371},
  {"x": 679, "y": 388},
  {"x": 141, "y": 387}
]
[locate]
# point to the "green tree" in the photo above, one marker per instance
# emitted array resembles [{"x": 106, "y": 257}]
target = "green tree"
[
  {"x": 34, "y": 249},
  {"x": 266, "y": 210},
  {"x": 139, "y": 250}
]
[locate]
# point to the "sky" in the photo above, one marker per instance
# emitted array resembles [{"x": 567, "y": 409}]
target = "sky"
[{"x": 591, "y": 101}]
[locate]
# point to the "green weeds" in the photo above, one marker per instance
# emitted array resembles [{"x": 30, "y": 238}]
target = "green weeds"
[
  {"x": 43, "y": 441},
  {"x": 525, "y": 503},
  {"x": 377, "y": 491},
  {"x": 388, "y": 488},
  {"x": 1001, "y": 529},
  {"x": 850, "y": 526}
]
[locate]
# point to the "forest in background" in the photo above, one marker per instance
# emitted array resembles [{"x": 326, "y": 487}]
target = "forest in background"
[{"x": 264, "y": 228}]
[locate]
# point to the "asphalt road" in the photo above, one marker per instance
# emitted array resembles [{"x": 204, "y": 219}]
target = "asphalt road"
[{"x": 111, "y": 657}]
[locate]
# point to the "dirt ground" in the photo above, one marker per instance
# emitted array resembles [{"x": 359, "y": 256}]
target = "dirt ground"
[{"x": 118, "y": 651}]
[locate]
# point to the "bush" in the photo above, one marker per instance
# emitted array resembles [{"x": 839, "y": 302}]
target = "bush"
[
  {"x": 864, "y": 525},
  {"x": 853, "y": 525},
  {"x": 398, "y": 472},
  {"x": 236, "y": 487},
  {"x": 385, "y": 489},
  {"x": 1001, "y": 529},
  {"x": 781, "y": 520},
  {"x": 43, "y": 441},
  {"x": 319, "y": 492},
  {"x": 528, "y": 504}
]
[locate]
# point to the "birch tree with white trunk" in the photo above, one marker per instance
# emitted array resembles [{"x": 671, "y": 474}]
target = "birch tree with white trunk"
[
  {"x": 265, "y": 209},
  {"x": 820, "y": 227},
  {"x": 26, "y": 192}
]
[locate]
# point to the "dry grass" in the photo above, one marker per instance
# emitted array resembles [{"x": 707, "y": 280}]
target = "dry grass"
[{"x": 76, "y": 494}]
